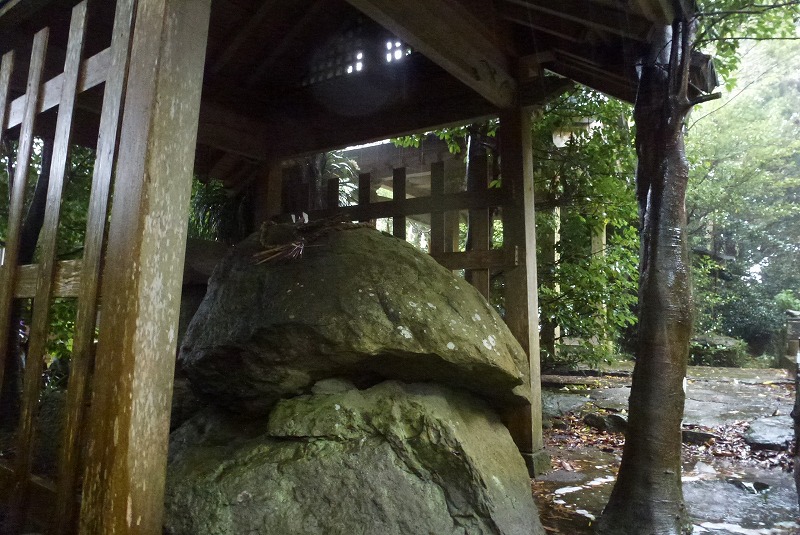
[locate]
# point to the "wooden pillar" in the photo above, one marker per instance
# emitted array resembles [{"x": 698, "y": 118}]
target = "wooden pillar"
[
  {"x": 123, "y": 489},
  {"x": 268, "y": 194},
  {"x": 399, "y": 194},
  {"x": 437, "y": 218},
  {"x": 522, "y": 300},
  {"x": 480, "y": 221}
]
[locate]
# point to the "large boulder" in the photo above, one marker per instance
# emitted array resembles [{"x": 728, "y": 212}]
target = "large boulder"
[
  {"x": 356, "y": 303},
  {"x": 395, "y": 459}
]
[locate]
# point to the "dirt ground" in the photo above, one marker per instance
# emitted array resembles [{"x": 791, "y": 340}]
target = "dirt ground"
[{"x": 732, "y": 482}]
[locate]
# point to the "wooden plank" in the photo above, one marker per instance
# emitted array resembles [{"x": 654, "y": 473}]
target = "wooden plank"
[
  {"x": 67, "y": 279},
  {"x": 364, "y": 194},
  {"x": 17, "y": 194},
  {"x": 543, "y": 22},
  {"x": 47, "y": 242},
  {"x": 81, "y": 364},
  {"x": 274, "y": 191},
  {"x": 24, "y": 149},
  {"x": 595, "y": 16},
  {"x": 463, "y": 200},
  {"x": 332, "y": 194},
  {"x": 314, "y": 130},
  {"x": 505, "y": 258},
  {"x": 399, "y": 193},
  {"x": 123, "y": 485},
  {"x": 522, "y": 299},
  {"x": 92, "y": 73},
  {"x": 437, "y": 216},
  {"x": 6, "y": 66},
  {"x": 450, "y": 36},
  {"x": 479, "y": 221}
]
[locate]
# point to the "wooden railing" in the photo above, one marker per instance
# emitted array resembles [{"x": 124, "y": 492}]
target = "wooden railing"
[
  {"x": 53, "y": 505},
  {"x": 478, "y": 200}
]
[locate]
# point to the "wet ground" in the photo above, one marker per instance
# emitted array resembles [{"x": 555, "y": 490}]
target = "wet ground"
[{"x": 729, "y": 486}]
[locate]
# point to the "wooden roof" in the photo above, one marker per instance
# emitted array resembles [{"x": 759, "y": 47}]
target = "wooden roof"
[{"x": 273, "y": 87}]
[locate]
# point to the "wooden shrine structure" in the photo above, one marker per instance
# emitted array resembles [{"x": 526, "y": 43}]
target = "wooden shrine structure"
[{"x": 162, "y": 89}]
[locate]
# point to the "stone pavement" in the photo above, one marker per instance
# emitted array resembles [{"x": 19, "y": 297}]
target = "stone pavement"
[{"x": 724, "y": 495}]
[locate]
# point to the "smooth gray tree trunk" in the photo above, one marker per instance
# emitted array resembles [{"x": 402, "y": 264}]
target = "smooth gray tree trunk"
[{"x": 647, "y": 497}]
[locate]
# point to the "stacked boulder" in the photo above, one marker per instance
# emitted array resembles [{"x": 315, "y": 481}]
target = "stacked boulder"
[{"x": 352, "y": 386}]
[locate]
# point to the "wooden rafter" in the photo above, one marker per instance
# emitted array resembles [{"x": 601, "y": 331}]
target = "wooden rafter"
[
  {"x": 597, "y": 17},
  {"x": 255, "y": 22},
  {"x": 446, "y": 33},
  {"x": 302, "y": 26},
  {"x": 544, "y": 22}
]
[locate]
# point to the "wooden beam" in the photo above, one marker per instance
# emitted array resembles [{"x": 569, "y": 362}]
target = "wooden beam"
[
  {"x": 92, "y": 73},
  {"x": 436, "y": 245},
  {"x": 522, "y": 299},
  {"x": 67, "y": 279},
  {"x": 464, "y": 200},
  {"x": 312, "y": 130},
  {"x": 505, "y": 258},
  {"x": 594, "y": 16},
  {"x": 123, "y": 485},
  {"x": 480, "y": 220},
  {"x": 302, "y": 26},
  {"x": 399, "y": 193},
  {"x": 447, "y": 33},
  {"x": 227, "y": 130},
  {"x": 253, "y": 23},
  {"x": 543, "y": 22}
]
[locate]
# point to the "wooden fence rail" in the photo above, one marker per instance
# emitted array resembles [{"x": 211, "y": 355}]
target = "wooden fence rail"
[{"x": 478, "y": 200}]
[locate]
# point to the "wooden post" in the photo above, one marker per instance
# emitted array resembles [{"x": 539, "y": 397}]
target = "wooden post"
[
  {"x": 522, "y": 299},
  {"x": 364, "y": 191},
  {"x": 480, "y": 222},
  {"x": 123, "y": 490},
  {"x": 437, "y": 218},
  {"x": 64, "y": 520},
  {"x": 399, "y": 194},
  {"x": 268, "y": 194},
  {"x": 332, "y": 195}
]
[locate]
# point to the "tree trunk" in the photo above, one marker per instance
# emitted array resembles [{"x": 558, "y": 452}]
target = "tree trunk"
[
  {"x": 796, "y": 419},
  {"x": 647, "y": 497}
]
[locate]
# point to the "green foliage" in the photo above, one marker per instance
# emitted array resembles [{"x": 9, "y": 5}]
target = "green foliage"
[
  {"x": 718, "y": 351},
  {"x": 583, "y": 188},
  {"x": 787, "y": 300},
  {"x": 725, "y": 25},
  {"x": 455, "y": 137},
  {"x": 217, "y": 214},
  {"x": 71, "y": 232},
  {"x": 743, "y": 201}
]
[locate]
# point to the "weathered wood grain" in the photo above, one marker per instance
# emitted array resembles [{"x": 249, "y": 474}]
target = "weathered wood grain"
[
  {"x": 47, "y": 251},
  {"x": 123, "y": 486},
  {"x": 65, "y": 516},
  {"x": 522, "y": 300},
  {"x": 24, "y": 150}
]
